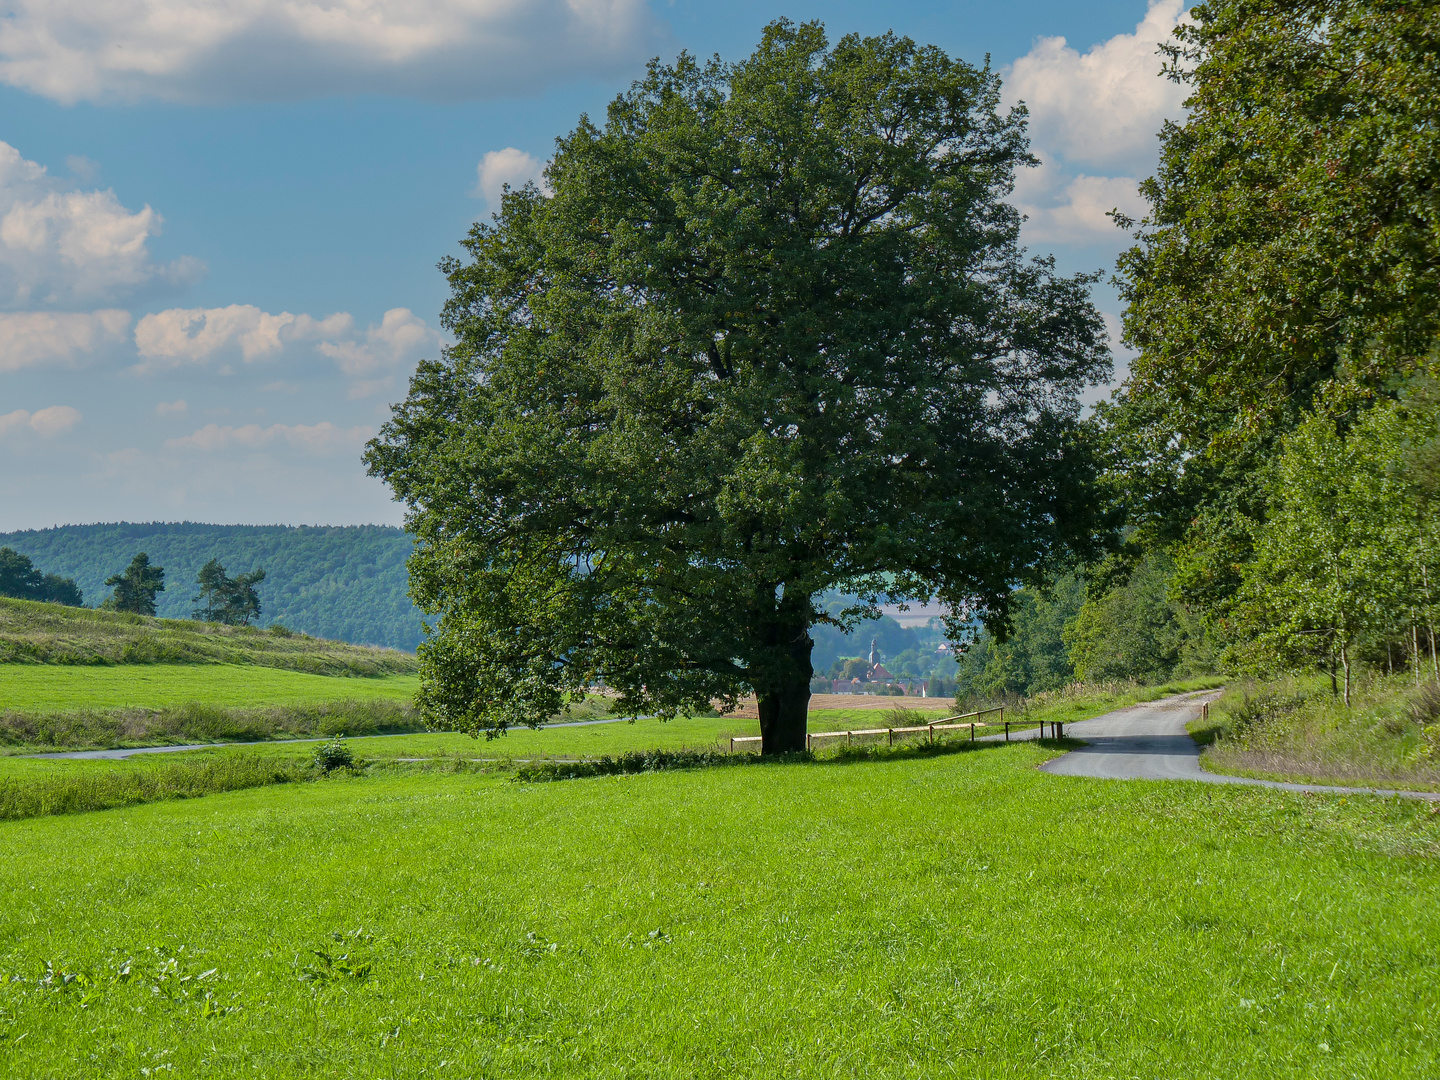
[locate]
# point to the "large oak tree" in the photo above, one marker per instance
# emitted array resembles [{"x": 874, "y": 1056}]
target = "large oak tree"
[{"x": 766, "y": 333}]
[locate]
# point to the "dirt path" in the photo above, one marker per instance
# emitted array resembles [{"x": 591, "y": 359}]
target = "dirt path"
[{"x": 1149, "y": 742}]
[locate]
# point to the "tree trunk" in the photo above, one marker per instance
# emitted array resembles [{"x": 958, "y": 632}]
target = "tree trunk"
[
  {"x": 1345, "y": 660},
  {"x": 785, "y": 704},
  {"x": 784, "y": 717}
]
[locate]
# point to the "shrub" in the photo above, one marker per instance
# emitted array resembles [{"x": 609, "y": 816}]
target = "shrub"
[{"x": 334, "y": 754}]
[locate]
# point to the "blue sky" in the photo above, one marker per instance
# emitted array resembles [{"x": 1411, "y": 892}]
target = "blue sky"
[{"x": 219, "y": 223}]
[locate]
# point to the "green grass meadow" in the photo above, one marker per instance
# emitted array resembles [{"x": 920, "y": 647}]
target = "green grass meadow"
[
  {"x": 54, "y": 688},
  {"x": 961, "y": 915}
]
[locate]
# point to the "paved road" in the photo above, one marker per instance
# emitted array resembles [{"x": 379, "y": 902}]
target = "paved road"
[
  {"x": 1149, "y": 742},
  {"x": 131, "y": 751}
]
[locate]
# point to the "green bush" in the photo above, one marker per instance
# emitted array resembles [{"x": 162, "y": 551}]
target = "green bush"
[{"x": 335, "y": 754}]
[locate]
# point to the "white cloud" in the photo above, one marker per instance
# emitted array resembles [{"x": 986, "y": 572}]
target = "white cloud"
[
  {"x": 55, "y": 420},
  {"x": 321, "y": 438},
  {"x": 199, "y": 51},
  {"x": 399, "y": 337},
  {"x": 1104, "y": 108},
  {"x": 1072, "y": 210},
  {"x": 66, "y": 248},
  {"x": 180, "y": 336},
  {"x": 39, "y": 338},
  {"x": 501, "y": 167},
  {"x": 172, "y": 408}
]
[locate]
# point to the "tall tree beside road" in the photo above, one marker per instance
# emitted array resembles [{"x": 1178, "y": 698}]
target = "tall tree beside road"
[
  {"x": 136, "y": 588},
  {"x": 767, "y": 333},
  {"x": 1291, "y": 251}
]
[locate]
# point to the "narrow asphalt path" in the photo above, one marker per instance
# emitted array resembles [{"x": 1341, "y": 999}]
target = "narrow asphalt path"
[
  {"x": 131, "y": 751},
  {"x": 1149, "y": 742}
]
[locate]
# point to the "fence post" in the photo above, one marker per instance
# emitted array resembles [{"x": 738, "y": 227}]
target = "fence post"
[
  {"x": 891, "y": 733},
  {"x": 932, "y": 734},
  {"x": 972, "y": 730},
  {"x": 1007, "y": 729},
  {"x": 807, "y": 740},
  {"x": 732, "y": 744}
]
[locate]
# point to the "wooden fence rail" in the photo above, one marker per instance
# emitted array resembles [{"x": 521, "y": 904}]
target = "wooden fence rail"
[{"x": 949, "y": 723}]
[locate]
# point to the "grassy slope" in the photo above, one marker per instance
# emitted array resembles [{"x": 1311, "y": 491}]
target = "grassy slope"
[
  {"x": 959, "y": 916},
  {"x": 1294, "y": 729},
  {"x": 52, "y": 634}
]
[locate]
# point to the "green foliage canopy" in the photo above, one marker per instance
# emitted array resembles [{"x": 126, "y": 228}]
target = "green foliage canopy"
[
  {"x": 224, "y": 599},
  {"x": 770, "y": 334},
  {"x": 1347, "y": 554},
  {"x": 136, "y": 588},
  {"x": 19, "y": 580},
  {"x": 1292, "y": 243},
  {"x": 1133, "y": 629}
]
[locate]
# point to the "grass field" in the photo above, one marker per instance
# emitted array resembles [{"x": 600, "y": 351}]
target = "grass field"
[
  {"x": 53, "y": 688},
  {"x": 956, "y": 916}
]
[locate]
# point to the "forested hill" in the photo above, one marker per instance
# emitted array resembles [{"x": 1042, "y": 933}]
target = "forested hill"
[{"x": 344, "y": 583}]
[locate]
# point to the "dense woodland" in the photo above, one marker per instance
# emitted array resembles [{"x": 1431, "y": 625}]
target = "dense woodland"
[{"x": 343, "y": 583}]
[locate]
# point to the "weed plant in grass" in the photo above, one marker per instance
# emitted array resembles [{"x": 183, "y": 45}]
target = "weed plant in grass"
[
  {"x": 1297, "y": 729},
  {"x": 37, "y": 633},
  {"x": 108, "y": 785},
  {"x": 959, "y": 915}
]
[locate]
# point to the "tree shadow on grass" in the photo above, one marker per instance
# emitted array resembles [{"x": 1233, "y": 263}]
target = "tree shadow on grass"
[{"x": 670, "y": 760}]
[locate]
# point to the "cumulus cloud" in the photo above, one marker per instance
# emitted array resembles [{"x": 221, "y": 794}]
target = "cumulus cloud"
[
  {"x": 43, "y": 338},
  {"x": 1072, "y": 210},
  {"x": 61, "y": 247},
  {"x": 1094, "y": 121},
  {"x": 321, "y": 438},
  {"x": 501, "y": 167},
  {"x": 56, "y": 420},
  {"x": 183, "y": 336},
  {"x": 399, "y": 334},
  {"x": 245, "y": 50},
  {"x": 1103, "y": 108},
  {"x": 172, "y": 408}
]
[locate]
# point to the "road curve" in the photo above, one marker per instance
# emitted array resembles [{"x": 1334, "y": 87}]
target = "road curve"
[{"x": 1149, "y": 742}]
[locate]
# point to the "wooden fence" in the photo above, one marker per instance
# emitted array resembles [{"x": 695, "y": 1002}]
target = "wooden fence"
[{"x": 949, "y": 723}]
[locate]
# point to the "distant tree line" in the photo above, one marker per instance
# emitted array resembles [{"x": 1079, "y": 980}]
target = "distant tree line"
[
  {"x": 222, "y": 599},
  {"x": 19, "y": 580},
  {"x": 345, "y": 583}
]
